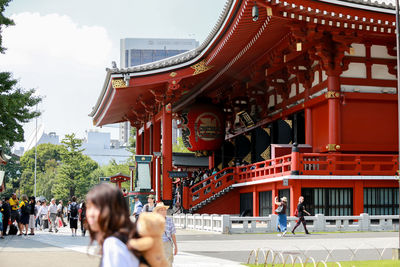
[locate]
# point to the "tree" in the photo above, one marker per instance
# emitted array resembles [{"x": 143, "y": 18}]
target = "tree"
[
  {"x": 15, "y": 103},
  {"x": 132, "y": 140},
  {"x": 4, "y": 21},
  {"x": 180, "y": 147},
  {"x": 48, "y": 160},
  {"x": 72, "y": 177}
]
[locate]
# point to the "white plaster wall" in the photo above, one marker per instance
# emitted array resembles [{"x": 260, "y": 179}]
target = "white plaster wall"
[
  {"x": 316, "y": 79},
  {"x": 359, "y": 50},
  {"x": 278, "y": 99},
  {"x": 324, "y": 77},
  {"x": 356, "y": 70},
  {"x": 292, "y": 90},
  {"x": 301, "y": 88},
  {"x": 271, "y": 101},
  {"x": 367, "y": 89},
  {"x": 380, "y": 51},
  {"x": 381, "y": 72}
]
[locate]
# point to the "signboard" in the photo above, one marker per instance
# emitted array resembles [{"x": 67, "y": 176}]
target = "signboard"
[
  {"x": 285, "y": 182},
  {"x": 246, "y": 119},
  {"x": 143, "y": 177},
  {"x": 143, "y": 158},
  {"x": 177, "y": 174}
]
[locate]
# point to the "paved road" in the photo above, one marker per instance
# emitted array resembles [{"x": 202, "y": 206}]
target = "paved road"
[{"x": 198, "y": 249}]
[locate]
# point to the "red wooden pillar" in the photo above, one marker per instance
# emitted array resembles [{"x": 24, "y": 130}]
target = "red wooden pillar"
[
  {"x": 308, "y": 124},
  {"x": 255, "y": 202},
  {"x": 156, "y": 148},
  {"x": 275, "y": 193},
  {"x": 211, "y": 161},
  {"x": 358, "y": 198},
  {"x": 139, "y": 150},
  {"x": 147, "y": 140},
  {"x": 295, "y": 193},
  {"x": 333, "y": 95},
  {"x": 167, "y": 153}
]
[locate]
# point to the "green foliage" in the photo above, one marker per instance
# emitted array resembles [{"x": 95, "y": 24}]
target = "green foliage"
[
  {"x": 132, "y": 140},
  {"x": 112, "y": 169},
  {"x": 15, "y": 109},
  {"x": 4, "y": 21},
  {"x": 12, "y": 169},
  {"x": 180, "y": 147},
  {"x": 48, "y": 160},
  {"x": 72, "y": 178}
]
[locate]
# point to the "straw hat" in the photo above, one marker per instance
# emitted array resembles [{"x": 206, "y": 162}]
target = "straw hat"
[
  {"x": 284, "y": 199},
  {"x": 150, "y": 196},
  {"x": 160, "y": 205}
]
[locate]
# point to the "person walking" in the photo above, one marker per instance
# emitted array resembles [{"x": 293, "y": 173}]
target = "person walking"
[
  {"x": 6, "y": 210},
  {"x": 82, "y": 218},
  {"x": 137, "y": 208},
  {"x": 150, "y": 204},
  {"x": 32, "y": 215},
  {"x": 52, "y": 214},
  {"x": 301, "y": 210},
  {"x": 37, "y": 208},
  {"x": 60, "y": 212},
  {"x": 43, "y": 215},
  {"x": 73, "y": 211},
  {"x": 168, "y": 238},
  {"x": 282, "y": 218}
]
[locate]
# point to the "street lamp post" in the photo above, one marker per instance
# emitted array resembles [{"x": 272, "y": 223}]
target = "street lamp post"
[{"x": 35, "y": 149}]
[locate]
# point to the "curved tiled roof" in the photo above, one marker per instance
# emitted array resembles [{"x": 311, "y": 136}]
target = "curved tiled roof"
[
  {"x": 184, "y": 57},
  {"x": 391, "y": 4}
]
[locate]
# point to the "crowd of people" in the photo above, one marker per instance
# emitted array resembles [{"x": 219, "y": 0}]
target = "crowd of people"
[{"x": 20, "y": 216}]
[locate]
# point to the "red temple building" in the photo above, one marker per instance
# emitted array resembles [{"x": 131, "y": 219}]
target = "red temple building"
[{"x": 273, "y": 74}]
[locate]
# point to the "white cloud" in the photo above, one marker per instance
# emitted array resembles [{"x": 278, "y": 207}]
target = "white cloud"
[{"x": 64, "y": 61}]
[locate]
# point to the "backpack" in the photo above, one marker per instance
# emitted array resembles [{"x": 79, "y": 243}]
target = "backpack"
[
  {"x": 13, "y": 229},
  {"x": 24, "y": 209},
  {"x": 74, "y": 210}
]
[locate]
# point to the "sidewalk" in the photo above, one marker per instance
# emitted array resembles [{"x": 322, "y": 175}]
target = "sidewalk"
[{"x": 201, "y": 249}]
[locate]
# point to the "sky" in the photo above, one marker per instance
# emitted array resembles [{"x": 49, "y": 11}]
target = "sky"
[{"x": 62, "y": 47}]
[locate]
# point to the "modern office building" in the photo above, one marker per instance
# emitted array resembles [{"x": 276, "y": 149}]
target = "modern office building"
[
  {"x": 138, "y": 51},
  {"x": 102, "y": 149}
]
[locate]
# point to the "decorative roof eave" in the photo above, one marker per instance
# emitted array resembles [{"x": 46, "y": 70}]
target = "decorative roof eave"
[
  {"x": 385, "y": 6},
  {"x": 175, "y": 62},
  {"x": 3, "y": 157}
]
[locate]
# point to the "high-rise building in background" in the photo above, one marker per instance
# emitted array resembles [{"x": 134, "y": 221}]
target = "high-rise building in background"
[{"x": 137, "y": 51}]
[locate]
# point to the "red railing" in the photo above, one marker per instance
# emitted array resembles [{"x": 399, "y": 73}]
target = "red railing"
[
  {"x": 270, "y": 168},
  {"x": 347, "y": 164},
  {"x": 301, "y": 163},
  {"x": 210, "y": 186}
]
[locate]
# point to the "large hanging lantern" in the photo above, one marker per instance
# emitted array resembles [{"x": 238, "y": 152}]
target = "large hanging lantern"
[{"x": 203, "y": 127}]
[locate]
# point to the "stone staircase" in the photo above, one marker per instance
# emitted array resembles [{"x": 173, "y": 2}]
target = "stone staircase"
[{"x": 210, "y": 199}]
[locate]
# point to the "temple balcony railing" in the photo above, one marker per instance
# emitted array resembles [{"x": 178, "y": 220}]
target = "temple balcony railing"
[{"x": 307, "y": 164}]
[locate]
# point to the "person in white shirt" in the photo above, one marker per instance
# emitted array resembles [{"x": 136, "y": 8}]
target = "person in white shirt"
[
  {"x": 43, "y": 211},
  {"x": 113, "y": 228},
  {"x": 52, "y": 215},
  {"x": 60, "y": 212}
]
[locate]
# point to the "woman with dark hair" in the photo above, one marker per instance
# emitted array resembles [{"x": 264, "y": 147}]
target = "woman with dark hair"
[
  {"x": 82, "y": 218},
  {"x": 32, "y": 215},
  {"x": 73, "y": 219},
  {"x": 108, "y": 222},
  {"x": 24, "y": 207}
]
